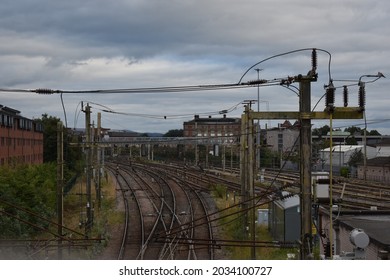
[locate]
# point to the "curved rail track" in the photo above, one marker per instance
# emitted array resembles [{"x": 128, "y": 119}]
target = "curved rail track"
[{"x": 167, "y": 215}]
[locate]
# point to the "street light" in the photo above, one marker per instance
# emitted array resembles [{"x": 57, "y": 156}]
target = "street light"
[{"x": 258, "y": 88}]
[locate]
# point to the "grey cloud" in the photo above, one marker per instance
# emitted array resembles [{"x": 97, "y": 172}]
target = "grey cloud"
[{"x": 137, "y": 43}]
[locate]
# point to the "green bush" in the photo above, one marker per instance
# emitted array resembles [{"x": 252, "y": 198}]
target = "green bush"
[
  {"x": 25, "y": 191},
  {"x": 344, "y": 171}
]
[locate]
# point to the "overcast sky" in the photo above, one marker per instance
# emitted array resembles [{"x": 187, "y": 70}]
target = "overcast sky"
[{"x": 99, "y": 44}]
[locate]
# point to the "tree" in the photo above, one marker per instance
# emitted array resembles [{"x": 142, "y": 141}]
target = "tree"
[
  {"x": 356, "y": 158},
  {"x": 351, "y": 141},
  {"x": 49, "y": 137},
  {"x": 29, "y": 187},
  {"x": 374, "y": 133},
  {"x": 322, "y": 131},
  {"x": 353, "y": 130},
  {"x": 174, "y": 133},
  {"x": 72, "y": 155}
]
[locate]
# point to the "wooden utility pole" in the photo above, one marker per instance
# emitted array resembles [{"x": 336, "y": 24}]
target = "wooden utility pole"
[
  {"x": 251, "y": 185},
  {"x": 88, "y": 147},
  {"x": 247, "y": 174},
  {"x": 99, "y": 159},
  {"x": 60, "y": 183},
  {"x": 305, "y": 115},
  {"x": 305, "y": 166}
]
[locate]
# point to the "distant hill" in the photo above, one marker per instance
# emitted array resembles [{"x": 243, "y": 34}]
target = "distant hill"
[{"x": 154, "y": 134}]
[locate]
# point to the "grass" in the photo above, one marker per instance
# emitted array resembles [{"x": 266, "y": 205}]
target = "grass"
[
  {"x": 232, "y": 227},
  {"x": 74, "y": 217}
]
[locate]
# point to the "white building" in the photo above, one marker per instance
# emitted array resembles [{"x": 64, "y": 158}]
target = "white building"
[{"x": 341, "y": 154}]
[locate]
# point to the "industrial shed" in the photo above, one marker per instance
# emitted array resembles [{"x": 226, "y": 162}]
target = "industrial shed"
[{"x": 284, "y": 219}]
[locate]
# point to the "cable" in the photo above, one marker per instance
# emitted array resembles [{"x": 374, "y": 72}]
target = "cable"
[
  {"x": 287, "y": 53},
  {"x": 234, "y": 107},
  {"x": 288, "y": 87},
  {"x": 76, "y": 115},
  {"x": 14, "y": 90},
  {"x": 63, "y": 107},
  {"x": 139, "y": 90}
]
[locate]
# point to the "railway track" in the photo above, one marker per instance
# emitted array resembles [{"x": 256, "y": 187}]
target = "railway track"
[
  {"x": 196, "y": 216},
  {"x": 352, "y": 194},
  {"x": 165, "y": 214}
]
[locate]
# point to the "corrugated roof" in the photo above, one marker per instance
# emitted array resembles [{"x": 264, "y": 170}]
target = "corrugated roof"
[{"x": 288, "y": 202}]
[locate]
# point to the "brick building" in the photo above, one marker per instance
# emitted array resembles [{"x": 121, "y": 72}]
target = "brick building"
[
  {"x": 21, "y": 139},
  {"x": 218, "y": 130},
  {"x": 377, "y": 169}
]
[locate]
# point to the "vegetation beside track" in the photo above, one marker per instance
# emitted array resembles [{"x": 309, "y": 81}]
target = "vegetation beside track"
[
  {"x": 232, "y": 227},
  {"x": 105, "y": 220}
]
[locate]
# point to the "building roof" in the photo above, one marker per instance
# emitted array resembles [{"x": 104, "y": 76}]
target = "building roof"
[
  {"x": 375, "y": 223},
  {"x": 339, "y": 133},
  {"x": 385, "y": 142},
  {"x": 344, "y": 148},
  {"x": 378, "y": 161},
  {"x": 286, "y": 124},
  {"x": 289, "y": 202},
  {"x": 9, "y": 110}
]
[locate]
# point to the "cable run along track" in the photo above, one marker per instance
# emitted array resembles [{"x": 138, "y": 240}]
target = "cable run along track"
[{"x": 163, "y": 216}]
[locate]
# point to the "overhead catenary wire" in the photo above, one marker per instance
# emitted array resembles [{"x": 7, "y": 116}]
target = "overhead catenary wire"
[
  {"x": 240, "y": 84},
  {"x": 45, "y": 91},
  {"x": 173, "y": 116},
  {"x": 288, "y": 53}
]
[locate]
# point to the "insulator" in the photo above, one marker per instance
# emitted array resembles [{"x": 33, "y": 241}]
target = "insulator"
[
  {"x": 44, "y": 91},
  {"x": 257, "y": 82},
  {"x": 362, "y": 96},
  {"x": 345, "y": 94},
  {"x": 314, "y": 59},
  {"x": 327, "y": 249},
  {"x": 329, "y": 99}
]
